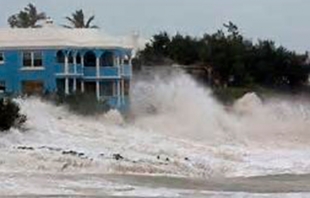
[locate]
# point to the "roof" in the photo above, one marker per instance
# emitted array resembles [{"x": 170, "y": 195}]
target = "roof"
[{"x": 57, "y": 37}]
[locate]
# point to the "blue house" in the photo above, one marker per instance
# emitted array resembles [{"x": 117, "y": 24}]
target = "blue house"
[{"x": 55, "y": 59}]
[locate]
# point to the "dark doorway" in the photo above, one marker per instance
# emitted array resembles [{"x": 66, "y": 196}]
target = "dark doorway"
[
  {"x": 32, "y": 87},
  {"x": 90, "y": 59}
]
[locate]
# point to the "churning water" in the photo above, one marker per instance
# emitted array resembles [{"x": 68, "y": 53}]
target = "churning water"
[{"x": 176, "y": 129}]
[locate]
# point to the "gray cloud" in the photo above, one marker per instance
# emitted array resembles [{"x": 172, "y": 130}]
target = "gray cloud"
[{"x": 284, "y": 21}]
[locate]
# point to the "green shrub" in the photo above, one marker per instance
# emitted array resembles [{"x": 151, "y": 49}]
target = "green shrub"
[
  {"x": 10, "y": 114},
  {"x": 84, "y": 104},
  {"x": 229, "y": 94}
]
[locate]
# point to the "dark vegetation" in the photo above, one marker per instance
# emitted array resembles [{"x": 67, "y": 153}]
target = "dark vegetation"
[
  {"x": 27, "y": 18},
  {"x": 228, "y": 60},
  {"x": 83, "y": 103},
  {"x": 30, "y": 17},
  {"x": 10, "y": 114}
]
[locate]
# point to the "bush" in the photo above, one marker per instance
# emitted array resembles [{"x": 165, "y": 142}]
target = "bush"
[
  {"x": 84, "y": 104},
  {"x": 228, "y": 95},
  {"x": 10, "y": 114}
]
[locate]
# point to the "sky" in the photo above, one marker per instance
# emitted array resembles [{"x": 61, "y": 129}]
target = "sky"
[{"x": 285, "y": 21}]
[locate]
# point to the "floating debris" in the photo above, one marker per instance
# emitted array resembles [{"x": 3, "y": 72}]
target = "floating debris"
[
  {"x": 118, "y": 156},
  {"x": 25, "y": 148}
]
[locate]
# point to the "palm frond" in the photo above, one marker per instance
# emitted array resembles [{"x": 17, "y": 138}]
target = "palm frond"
[{"x": 89, "y": 21}]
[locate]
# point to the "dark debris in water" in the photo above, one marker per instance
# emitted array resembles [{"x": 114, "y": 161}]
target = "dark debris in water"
[
  {"x": 118, "y": 156},
  {"x": 25, "y": 148},
  {"x": 74, "y": 153}
]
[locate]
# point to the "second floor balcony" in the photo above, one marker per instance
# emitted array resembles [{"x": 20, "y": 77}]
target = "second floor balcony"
[{"x": 107, "y": 71}]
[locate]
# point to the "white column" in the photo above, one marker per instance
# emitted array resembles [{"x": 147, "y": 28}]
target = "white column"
[
  {"x": 66, "y": 74},
  {"x": 82, "y": 81},
  {"x": 98, "y": 67},
  {"x": 75, "y": 72},
  {"x": 82, "y": 86},
  {"x": 98, "y": 89},
  {"x": 97, "y": 80},
  {"x": 118, "y": 61},
  {"x": 123, "y": 91},
  {"x": 118, "y": 92}
]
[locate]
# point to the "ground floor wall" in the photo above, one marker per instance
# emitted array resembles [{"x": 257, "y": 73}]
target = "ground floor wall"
[{"x": 112, "y": 91}]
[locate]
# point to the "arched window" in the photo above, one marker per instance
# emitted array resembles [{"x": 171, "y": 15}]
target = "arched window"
[
  {"x": 107, "y": 59},
  {"x": 78, "y": 58},
  {"x": 90, "y": 59},
  {"x": 60, "y": 57},
  {"x": 70, "y": 58}
]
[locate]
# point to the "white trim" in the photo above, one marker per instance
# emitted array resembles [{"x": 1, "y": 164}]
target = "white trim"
[
  {"x": 70, "y": 75},
  {"x": 32, "y": 68},
  {"x": 102, "y": 77}
]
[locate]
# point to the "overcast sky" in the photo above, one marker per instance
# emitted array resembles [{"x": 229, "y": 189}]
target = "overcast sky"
[{"x": 285, "y": 21}]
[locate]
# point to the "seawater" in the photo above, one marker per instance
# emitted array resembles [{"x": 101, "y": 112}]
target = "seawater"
[{"x": 176, "y": 129}]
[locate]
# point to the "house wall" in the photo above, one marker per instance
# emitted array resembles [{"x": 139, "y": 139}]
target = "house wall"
[{"x": 14, "y": 74}]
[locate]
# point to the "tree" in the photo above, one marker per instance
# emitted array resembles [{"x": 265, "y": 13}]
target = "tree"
[
  {"x": 27, "y": 18},
  {"x": 77, "y": 20},
  {"x": 10, "y": 114},
  {"x": 232, "y": 28},
  {"x": 233, "y": 59}
]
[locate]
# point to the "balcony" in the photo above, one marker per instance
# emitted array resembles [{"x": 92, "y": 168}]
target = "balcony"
[
  {"x": 90, "y": 72},
  {"x": 72, "y": 70},
  {"x": 109, "y": 72}
]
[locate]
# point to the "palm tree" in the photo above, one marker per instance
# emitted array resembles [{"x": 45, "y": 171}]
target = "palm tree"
[
  {"x": 27, "y": 18},
  {"x": 78, "y": 20}
]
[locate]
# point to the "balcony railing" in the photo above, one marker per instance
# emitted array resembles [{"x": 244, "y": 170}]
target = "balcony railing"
[
  {"x": 108, "y": 71},
  {"x": 90, "y": 71},
  {"x": 72, "y": 70}
]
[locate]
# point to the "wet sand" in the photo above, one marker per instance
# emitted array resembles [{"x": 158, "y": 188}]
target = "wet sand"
[{"x": 154, "y": 186}]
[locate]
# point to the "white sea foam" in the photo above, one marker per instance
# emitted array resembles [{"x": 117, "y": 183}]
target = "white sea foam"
[{"x": 178, "y": 129}]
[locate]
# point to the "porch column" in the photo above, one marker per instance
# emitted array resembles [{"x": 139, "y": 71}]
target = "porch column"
[
  {"x": 98, "y": 89},
  {"x": 82, "y": 81},
  {"x": 98, "y": 76},
  {"x": 118, "y": 92},
  {"x": 75, "y": 72},
  {"x": 66, "y": 74},
  {"x": 98, "y": 67},
  {"x": 123, "y": 91}
]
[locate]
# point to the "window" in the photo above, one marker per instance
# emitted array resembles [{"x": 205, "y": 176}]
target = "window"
[
  {"x": 60, "y": 57},
  {"x": 27, "y": 62},
  {"x": 107, "y": 59},
  {"x": 1, "y": 57},
  {"x": 70, "y": 58},
  {"x": 32, "y": 59},
  {"x": 2, "y": 86},
  {"x": 78, "y": 58},
  {"x": 37, "y": 59},
  {"x": 89, "y": 59}
]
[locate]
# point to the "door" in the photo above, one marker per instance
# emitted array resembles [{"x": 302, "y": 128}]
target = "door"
[{"x": 32, "y": 87}]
